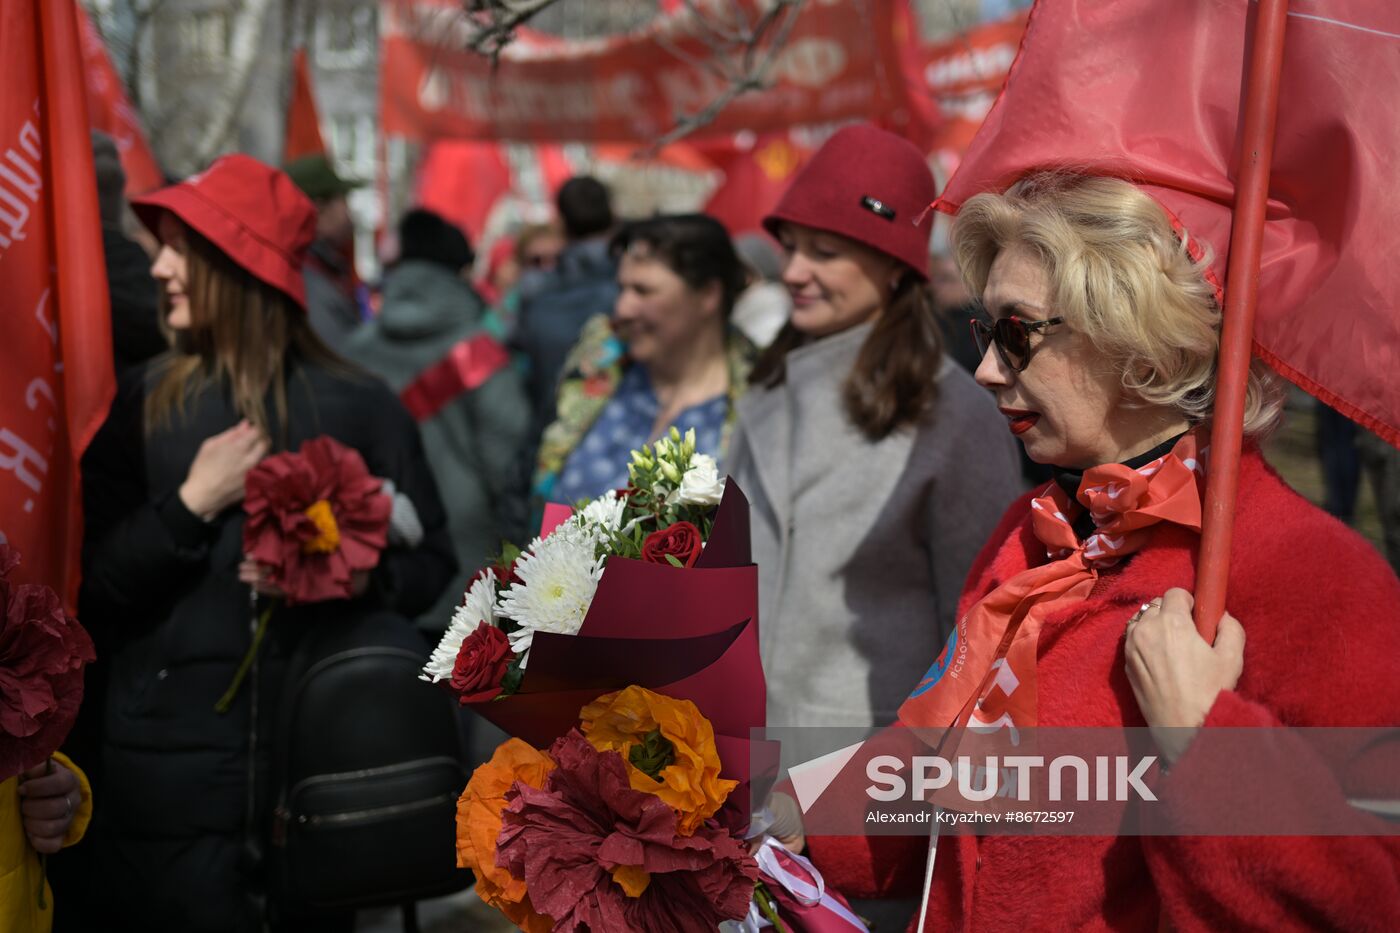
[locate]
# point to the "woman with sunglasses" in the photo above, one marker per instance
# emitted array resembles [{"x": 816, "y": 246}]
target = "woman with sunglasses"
[
  {"x": 1101, "y": 353},
  {"x": 874, "y": 465}
]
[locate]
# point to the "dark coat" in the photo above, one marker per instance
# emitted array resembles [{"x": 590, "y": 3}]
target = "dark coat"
[
  {"x": 554, "y": 306},
  {"x": 179, "y": 787},
  {"x": 1318, "y": 605},
  {"x": 472, "y": 442}
]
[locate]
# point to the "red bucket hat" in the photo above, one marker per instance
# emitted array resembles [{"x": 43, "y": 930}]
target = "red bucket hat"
[
  {"x": 867, "y": 184},
  {"x": 250, "y": 211}
]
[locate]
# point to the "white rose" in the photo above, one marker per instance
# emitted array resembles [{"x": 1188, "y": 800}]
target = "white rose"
[{"x": 701, "y": 484}]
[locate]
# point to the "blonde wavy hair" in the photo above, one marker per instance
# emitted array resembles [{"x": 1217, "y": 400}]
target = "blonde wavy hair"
[{"x": 1121, "y": 276}]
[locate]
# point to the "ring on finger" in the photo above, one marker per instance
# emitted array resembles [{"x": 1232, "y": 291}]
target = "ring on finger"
[{"x": 68, "y": 801}]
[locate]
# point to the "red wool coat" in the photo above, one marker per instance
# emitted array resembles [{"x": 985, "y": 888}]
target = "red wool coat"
[{"x": 1321, "y": 612}]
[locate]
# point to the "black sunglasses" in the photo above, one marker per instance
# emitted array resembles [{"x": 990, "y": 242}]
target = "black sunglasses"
[{"x": 1012, "y": 337}]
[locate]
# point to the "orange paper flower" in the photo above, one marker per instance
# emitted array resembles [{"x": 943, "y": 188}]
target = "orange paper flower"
[
  {"x": 479, "y": 823},
  {"x": 691, "y": 784}
]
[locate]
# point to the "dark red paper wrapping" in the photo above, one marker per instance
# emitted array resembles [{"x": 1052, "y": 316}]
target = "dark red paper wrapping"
[{"x": 689, "y": 633}]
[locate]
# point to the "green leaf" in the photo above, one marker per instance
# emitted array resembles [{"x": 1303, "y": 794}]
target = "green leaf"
[
  {"x": 510, "y": 683},
  {"x": 674, "y": 561},
  {"x": 652, "y": 755}
]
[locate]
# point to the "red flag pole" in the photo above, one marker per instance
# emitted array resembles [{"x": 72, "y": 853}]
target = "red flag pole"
[{"x": 1241, "y": 294}]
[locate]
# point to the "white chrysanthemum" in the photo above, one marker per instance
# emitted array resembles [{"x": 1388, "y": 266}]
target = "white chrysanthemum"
[
  {"x": 701, "y": 484},
  {"x": 558, "y": 578},
  {"x": 478, "y": 607},
  {"x": 606, "y": 511}
]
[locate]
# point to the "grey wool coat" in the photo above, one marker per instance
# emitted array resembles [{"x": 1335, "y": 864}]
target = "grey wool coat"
[
  {"x": 862, "y": 546},
  {"x": 473, "y": 442}
]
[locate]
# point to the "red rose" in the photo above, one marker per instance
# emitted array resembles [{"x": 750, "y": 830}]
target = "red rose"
[
  {"x": 42, "y": 653},
  {"x": 481, "y": 665},
  {"x": 315, "y": 517},
  {"x": 681, "y": 541}
]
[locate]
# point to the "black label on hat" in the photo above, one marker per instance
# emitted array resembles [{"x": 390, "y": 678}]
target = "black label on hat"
[{"x": 876, "y": 206}]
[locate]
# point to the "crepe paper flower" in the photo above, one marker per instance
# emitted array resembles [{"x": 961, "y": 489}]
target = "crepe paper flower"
[
  {"x": 478, "y": 608},
  {"x": 701, "y": 485},
  {"x": 595, "y": 854},
  {"x": 314, "y": 518},
  {"x": 558, "y": 578},
  {"x": 678, "y": 545},
  {"x": 479, "y": 823},
  {"x": 42, "y": 654},
  {"x": 624, "y": 721}
]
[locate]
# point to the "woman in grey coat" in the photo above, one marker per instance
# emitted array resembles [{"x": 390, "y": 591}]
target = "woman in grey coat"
[{"x": 875, "y": 468}]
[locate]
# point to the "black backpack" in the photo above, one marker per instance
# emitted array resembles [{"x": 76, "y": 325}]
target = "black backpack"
[{"x": 366, "y": 772}]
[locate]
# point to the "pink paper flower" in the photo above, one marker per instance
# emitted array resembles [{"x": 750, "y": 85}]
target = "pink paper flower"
[{"x": 597, "y": 855}]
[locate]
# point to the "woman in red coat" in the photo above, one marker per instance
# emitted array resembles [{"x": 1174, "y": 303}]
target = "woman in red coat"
[{"x": 1101, "y": 354}]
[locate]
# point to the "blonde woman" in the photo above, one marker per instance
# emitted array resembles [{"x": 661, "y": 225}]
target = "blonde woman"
[{"x": 1101, "y": 353}]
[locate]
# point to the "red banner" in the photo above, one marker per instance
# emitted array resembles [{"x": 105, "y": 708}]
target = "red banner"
[
  {"x": 963, "y": 77},
  {"x": 835, "y": 65},
  {"x": 56, "y": 359},
  {"x": 303, "y": 135},
  {"x": 110, "y": 111}
]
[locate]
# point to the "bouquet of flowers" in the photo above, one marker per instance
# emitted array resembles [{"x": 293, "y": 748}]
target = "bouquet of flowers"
[
  {"x": 624, "y": 641},
  {"x": 42, "y": 654},
  {"x": 316, "y": 518}
]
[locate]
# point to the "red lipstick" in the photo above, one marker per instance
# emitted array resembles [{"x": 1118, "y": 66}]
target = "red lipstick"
[{"x": 1020, "y": 421}]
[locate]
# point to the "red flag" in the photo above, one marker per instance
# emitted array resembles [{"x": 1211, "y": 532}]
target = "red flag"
[
  {"x": 303, "y": 122},
  {"x": 110, "y": 111},
  {"x": 754, "y": 179},
  {"x": 56, "y": 359},
  {"x": 462, "y": 181},
  {"x": 555, "y": 167},
  {"x": 1080, "y": 93}
]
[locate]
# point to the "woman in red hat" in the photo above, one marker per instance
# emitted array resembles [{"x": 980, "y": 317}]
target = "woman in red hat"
[
  {"x": 166, "y": 586},
  {"x": 875, "y": 466}
]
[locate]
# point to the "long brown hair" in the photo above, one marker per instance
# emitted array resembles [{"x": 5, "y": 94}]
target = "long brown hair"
[
  {"x": 895, "y": 377},
  {"x": 241, "y": 331}
]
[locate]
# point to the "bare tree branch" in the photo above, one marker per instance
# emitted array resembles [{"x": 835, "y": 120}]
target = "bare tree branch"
[
  {"x": 497, "y": 20},
  {"x": 755, "y": 58},
  {"x": 740, "y": 51}
]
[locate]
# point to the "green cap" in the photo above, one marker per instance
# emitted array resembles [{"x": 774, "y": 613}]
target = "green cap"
[{"x": 317, "y": 179}]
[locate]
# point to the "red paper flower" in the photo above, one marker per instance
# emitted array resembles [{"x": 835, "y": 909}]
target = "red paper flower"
[
  {"x": 681, "y": 541},
  {"x": 482, "y": 662},
  {"x": 597, "y": 855},
  {"x": 42, "y": 653},
  {"x": 315, "y": 517}
]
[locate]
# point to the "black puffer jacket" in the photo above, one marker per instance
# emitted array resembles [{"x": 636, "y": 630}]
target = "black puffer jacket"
[{"x": 183, "y": 800}]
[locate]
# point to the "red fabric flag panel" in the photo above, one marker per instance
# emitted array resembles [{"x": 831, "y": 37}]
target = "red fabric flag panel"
[
  {"x": 56, "y": 359},
  {"x": 1151, "y": 91}
]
